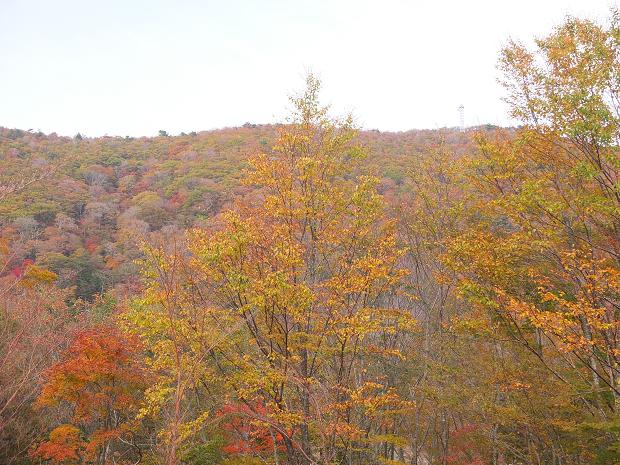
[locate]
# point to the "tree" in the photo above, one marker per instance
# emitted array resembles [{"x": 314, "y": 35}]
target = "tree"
[
  {"x": 539, "y": 258},
  {"x": 179, "y": 331},
  {"x": 289, "y": 308},
  {"x": 100, "y": 379},
  {"x": 310, "y": 272},
  {"x": 33, "y": 322}
]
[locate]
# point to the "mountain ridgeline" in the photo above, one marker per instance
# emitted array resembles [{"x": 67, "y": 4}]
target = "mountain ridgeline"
[{"x": 311, "y": 294}]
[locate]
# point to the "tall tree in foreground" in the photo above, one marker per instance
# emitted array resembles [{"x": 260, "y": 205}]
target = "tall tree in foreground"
[
  {"x": 542, "y": 253},
  {"x": 303, "y": 282},
  {"x": 312, "y": 270}
]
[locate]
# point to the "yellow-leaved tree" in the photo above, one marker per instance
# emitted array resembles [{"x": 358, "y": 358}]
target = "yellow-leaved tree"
[
  {"x": 304, "y": 282},
  {"x": 540, "y": 255}
]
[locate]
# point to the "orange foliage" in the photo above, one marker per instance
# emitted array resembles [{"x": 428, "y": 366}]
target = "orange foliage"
[{"x": 101, "y": 378}]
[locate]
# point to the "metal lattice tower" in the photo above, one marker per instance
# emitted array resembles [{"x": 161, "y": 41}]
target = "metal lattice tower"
[{"x": 461, "y": 109}]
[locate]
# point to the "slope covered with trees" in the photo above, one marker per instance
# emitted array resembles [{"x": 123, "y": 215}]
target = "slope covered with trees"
[{"x": 307, "y": 293}]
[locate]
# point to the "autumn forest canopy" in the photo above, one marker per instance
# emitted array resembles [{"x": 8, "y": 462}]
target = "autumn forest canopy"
[{"x": 309, "y": 293}]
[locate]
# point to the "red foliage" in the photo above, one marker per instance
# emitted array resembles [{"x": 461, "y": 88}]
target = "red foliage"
[
  {"x": 177, "y": 199},
  {"x": 19, "y": 270},
  {"x": 247, "y": 431},
  {"x": 463, "y": 447},
  {"x": 91, "y": 244}
]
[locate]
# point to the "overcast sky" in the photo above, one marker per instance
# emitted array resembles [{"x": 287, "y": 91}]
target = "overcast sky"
[{"x": 129, "y": 67}]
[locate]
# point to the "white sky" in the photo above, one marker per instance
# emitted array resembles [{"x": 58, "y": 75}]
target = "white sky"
[{"x": 129, "y": 67}]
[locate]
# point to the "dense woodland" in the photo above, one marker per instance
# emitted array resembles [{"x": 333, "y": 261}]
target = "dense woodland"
[{"x": 306, "y": 293}]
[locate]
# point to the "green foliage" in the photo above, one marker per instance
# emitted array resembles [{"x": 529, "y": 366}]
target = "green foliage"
[
  {"x": 205, "y": 453},
  {"x": 80, "y": 269}
]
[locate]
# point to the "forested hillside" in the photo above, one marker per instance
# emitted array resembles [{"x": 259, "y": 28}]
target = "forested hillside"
[
  {"x": 307, "y": 293},
  {"x": 98, "y": 198}
]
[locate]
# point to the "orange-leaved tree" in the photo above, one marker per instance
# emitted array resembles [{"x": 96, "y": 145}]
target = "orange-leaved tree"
[
  {"x": 541, "y": 254},
  {"x": 96, "y": 388},
  {"x": 310, "y": 267}
]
